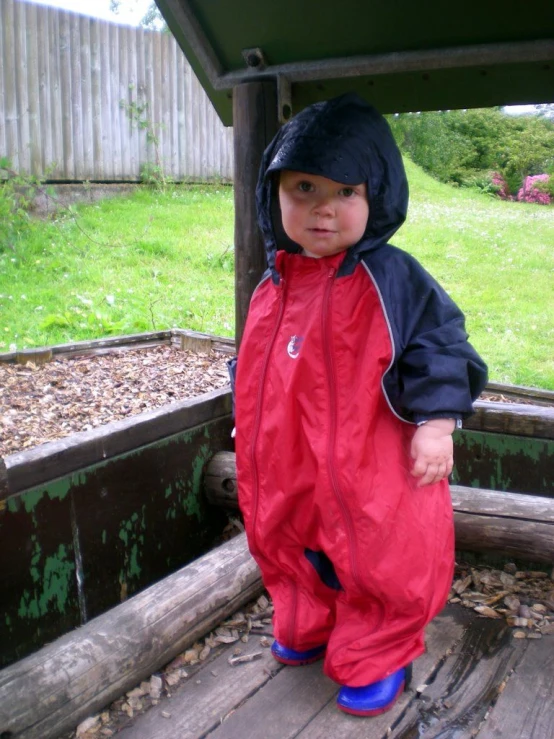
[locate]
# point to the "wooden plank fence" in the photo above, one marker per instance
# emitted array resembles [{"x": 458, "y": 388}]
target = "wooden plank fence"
[{"x": 62, "y": 79}]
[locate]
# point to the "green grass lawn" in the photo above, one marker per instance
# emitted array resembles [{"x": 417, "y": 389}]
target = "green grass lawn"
[
  {"x": 144, "y": 262},
  {"x": 155, "y": 260},
  {"x": 496, "y": 259}
]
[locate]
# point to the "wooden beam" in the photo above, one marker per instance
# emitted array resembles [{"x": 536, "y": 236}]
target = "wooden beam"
[
  {"x": 254, "y": 125},
  {"x": 512, "y": 524},
  {"x": 182, "y": 337},
  {"x": 3, "y": 481},
  {"x": 522, "y": 393},
  {"x": 78, "y": 348},
  {"x": 50, "y": 692},
  {"x": 399, "y": 62},
  {"x": 220, "y": 481},
  {"x": 517, "y": 419}
]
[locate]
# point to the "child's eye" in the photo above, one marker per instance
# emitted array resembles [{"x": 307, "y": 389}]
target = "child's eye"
[
  {"x": 348, "y": 192},
  {"x": 305, "y": 186}
]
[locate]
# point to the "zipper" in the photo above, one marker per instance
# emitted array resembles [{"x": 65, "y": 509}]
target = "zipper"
[
  {"x": 255, "y": 476},
  {"x": 347, "y": 517},
  {"x": 258, "y": 418}
]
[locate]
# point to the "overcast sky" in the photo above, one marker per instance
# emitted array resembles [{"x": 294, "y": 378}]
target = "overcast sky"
[{"x": 131, "y": 11}]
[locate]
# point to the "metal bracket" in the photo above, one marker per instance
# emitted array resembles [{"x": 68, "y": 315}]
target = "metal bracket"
[
  {"x": 255, "y": 59},
  {"x": 256, "y": 62},
  {"x": 284, "y": 99}
]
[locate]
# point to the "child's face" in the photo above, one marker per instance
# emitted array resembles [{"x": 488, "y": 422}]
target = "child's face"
[{"x": 323, "y": 216}]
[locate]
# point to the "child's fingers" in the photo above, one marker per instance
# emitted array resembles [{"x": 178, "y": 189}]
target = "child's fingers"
[
  {"x": 420, "y": 467},
  {"x": 434, "y": 474},
  {"x": 430, "y": 473}
]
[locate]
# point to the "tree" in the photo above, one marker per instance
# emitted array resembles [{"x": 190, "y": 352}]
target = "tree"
[
  {"x": 465, "y": 146},
  {"x": 546, "y": 110},
  {"x": 528, "y": 151},
  {"x": 152, "y": 17}
]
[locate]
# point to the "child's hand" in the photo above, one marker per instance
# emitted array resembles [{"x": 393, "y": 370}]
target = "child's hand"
[{"x": 432, "y": 451}]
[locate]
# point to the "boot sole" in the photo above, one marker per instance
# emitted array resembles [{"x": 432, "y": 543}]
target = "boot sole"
[
  {"x": 374, "y": 711},
  {"x": 298, "y": 663}
]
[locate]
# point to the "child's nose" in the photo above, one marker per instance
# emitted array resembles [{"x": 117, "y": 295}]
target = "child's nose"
[{"x": 324, "y": 205}]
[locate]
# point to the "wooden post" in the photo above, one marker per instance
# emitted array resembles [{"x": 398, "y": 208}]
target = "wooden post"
[{"x": 254, "y": 125}]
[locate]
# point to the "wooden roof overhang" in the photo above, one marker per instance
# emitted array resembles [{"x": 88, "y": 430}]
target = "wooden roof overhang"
[
  {"x": 401, "y": 55},
  {"x": 261, "y": 62}
]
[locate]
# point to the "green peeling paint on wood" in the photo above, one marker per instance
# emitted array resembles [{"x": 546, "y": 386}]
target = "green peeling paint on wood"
[
  {"x": 30, "y": 499},
  {"x": 502, "y": 462},
  {"x": 185, "y": 490},
  {"x": 130, "y": 534},
  {"x": 135, "y": 518},
  {"x": 192, "y": 506},
  {"x": 53, "y": 580}
]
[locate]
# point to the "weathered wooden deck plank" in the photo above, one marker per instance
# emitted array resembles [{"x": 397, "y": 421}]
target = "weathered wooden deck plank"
[
  {"x": 477, "y": 680},
  {"x": 198, "y": 706},
  {"x": 525, "y": 709},
  {"x": 282, "y": 707},
  {"x": 263, "y": 700},
  {"x": 442, "y": 635},
  {"x": 465, "y": 687}
]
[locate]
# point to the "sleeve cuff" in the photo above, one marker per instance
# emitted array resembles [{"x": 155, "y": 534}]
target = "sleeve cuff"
[{"x": 420, "y": 420}]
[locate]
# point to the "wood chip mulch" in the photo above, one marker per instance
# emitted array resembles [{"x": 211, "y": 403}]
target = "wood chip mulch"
[
  {"x": 46, "y": 402},
  {"x": 500, "y": 398},
  {"x": 524, "y": 599}
]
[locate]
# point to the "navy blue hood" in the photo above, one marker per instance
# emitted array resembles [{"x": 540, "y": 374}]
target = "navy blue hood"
[{"x": 344, "y": 139}]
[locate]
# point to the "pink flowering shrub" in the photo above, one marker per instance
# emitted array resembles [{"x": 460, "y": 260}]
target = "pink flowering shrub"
[
  {"x": 500, "y": 186},
  {"x": 535, "y": 190}
]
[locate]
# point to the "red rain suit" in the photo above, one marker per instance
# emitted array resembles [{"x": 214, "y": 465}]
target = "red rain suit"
[{"x": 351, "y": 551}]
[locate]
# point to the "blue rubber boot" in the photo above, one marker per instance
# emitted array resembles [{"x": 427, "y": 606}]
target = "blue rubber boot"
[
  {"x": 293, "y": 657},
  {"x": 370, "y": 700}
]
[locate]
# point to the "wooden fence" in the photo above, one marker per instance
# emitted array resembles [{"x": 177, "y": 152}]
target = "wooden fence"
[{"x": 63, "y": 78}]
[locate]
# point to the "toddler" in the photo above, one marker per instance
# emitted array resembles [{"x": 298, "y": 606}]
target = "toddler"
[{"x": 353, "y": 372}]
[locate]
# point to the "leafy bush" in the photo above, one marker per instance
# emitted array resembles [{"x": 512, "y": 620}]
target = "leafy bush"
[
  {"x": 464, "y": 146},
  {"x": 501, "y": 186},
  {"x": 535, "y": 190},
  {"x": 16, "y": 195}
]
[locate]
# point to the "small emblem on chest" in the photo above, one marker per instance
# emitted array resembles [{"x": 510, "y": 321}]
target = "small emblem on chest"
[{"x": 294, "y": 346}]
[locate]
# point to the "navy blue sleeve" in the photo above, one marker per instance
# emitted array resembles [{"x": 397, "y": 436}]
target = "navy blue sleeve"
[{"x": 436, "y": 373}]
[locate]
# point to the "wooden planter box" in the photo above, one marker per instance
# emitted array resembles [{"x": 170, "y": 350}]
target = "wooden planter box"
[
  {"x": 508, "y": 446},
  {"x": 87, "y": 521},
  {"x": 90, "y": 519}
]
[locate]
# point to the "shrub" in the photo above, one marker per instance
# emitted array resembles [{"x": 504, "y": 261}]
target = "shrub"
[
  {"x": 16, "y": 196},
  {"x": 501, "y": 186},
  {"x": 535, "y": 190},
  {"x": 464, "y": 146}
]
